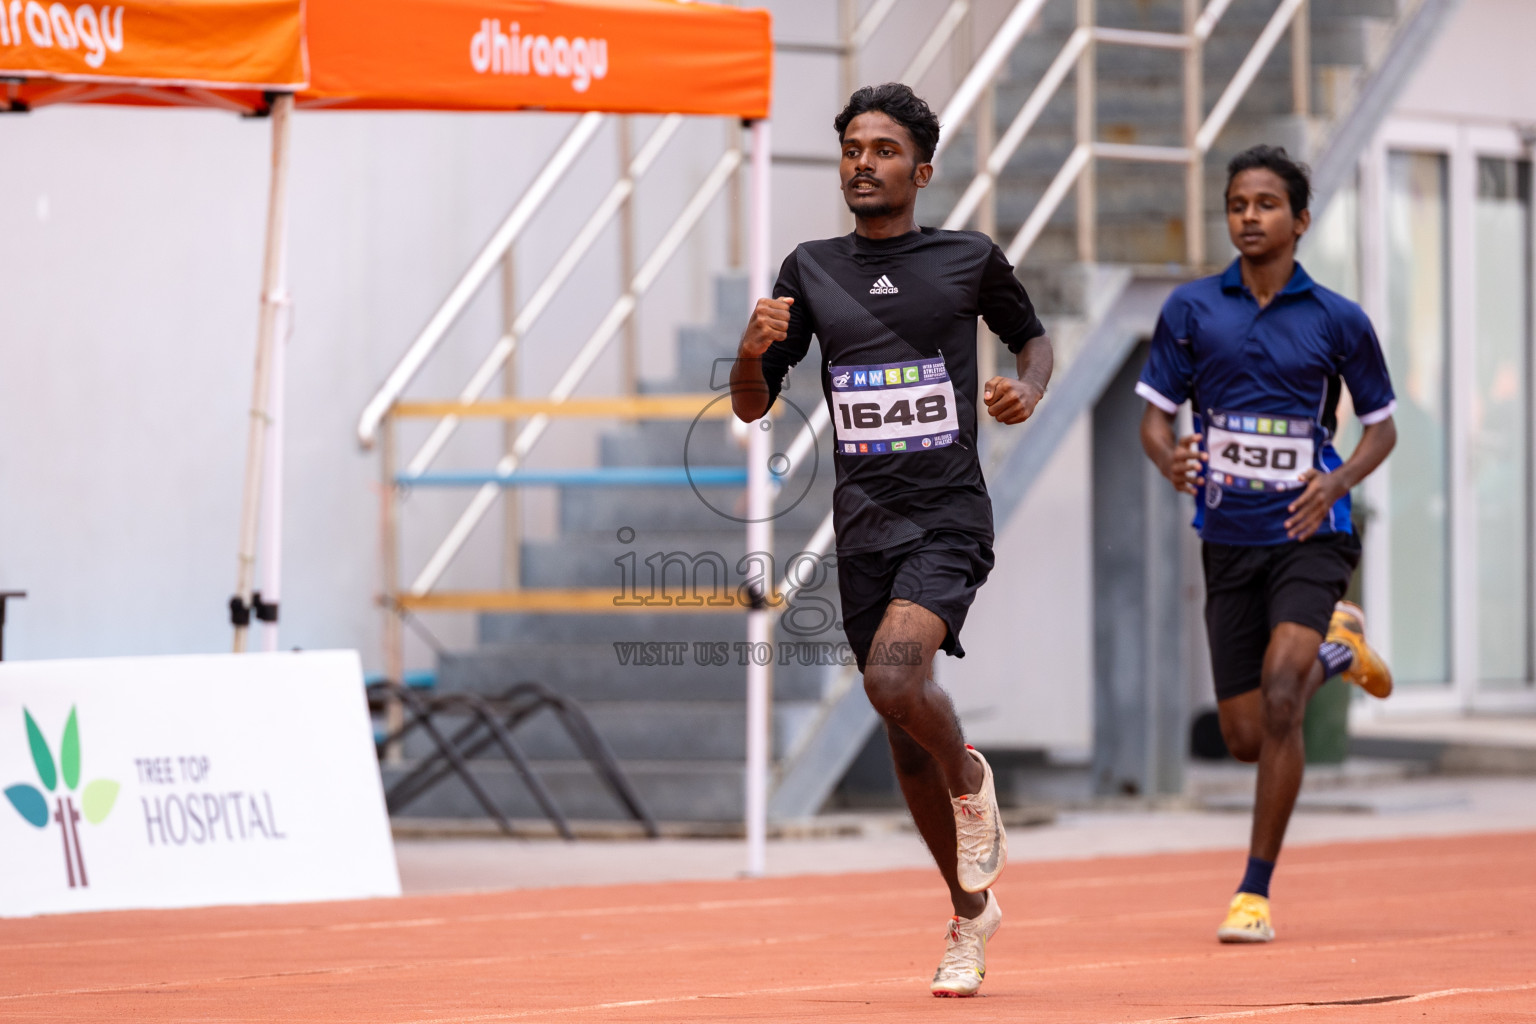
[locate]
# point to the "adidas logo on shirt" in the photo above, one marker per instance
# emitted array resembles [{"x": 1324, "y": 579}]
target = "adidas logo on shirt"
[{"x": 884, "y": 287}]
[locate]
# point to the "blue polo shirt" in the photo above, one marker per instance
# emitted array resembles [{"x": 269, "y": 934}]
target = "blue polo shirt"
[{"x": 1264, "y": 384}]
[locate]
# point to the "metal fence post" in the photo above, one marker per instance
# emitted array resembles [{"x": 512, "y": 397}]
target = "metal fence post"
[
  {"x": 1087, "y": 104},
  {"x": 759, "y": 538},
  {"x": 394, "y": 634},
  {"x": 1194, "y": 114},
  {"x": 272, "y": 297},
  {"x": 511, "y": 501},
  {"x": 1140, "y": 691},
  {"x": 630, "y": 358},
  {"x": 1301, "y": 60}
]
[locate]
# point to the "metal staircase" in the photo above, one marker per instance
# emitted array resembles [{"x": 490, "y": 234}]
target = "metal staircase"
[
  {"x": 1132, "y": 106},
  {"x": 675, "y": 720},
  {"x": 1128, "y": 107}
]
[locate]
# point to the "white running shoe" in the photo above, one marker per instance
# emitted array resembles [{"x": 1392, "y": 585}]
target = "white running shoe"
[
  {"x": 982, "y": 843},
  {"x": 965, "y": 953}
]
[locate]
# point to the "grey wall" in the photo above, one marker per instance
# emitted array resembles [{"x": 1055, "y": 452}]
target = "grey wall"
[
  {"x": 128, "y": 282},
  {"x": 1480, "y": 67},
  {"x": 129, "y": 272},
  {"x": 130, "y": 251}
]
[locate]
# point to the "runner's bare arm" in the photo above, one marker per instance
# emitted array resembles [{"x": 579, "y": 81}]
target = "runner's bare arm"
[
  {"x": 1324, "y": 489},
  {"x": 1181, "y": 460},
  {"x": 749, "y": 390},
  {"x": 1014, "y": 401}
]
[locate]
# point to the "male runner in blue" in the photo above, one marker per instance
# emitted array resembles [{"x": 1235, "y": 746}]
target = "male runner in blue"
[
  {"x": 894, "y": 308},
  {"x": 1259, "y": 351}
]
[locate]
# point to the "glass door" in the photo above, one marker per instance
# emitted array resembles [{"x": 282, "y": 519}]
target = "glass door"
[
  {"x": 1417, "y": 346},
  {"x": 1500, "y": 422}
]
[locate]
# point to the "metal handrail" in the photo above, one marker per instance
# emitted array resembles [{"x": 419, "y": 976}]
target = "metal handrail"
[
  {"x": 1083, "y": 155},
  {"x": 1246, "y": 73},
  {"x": 1028, "y": 114},
  {"x": 544, "y": 294},
  {"x": 600, "y": 476},
  {"x": 870, "y": 23},
  {"x": 479, "y": 270},
  {"x": 952, "y": 18},
  {"x": 1065, "y": 178},
  {"x": 1206, "y": 23},
  {"x": 986, "y": 68},
  {"x": 980, "y": 77},
  {"x": 955, "y": 113},
  {"x": 621, "y": 311},
  {"x": 654, "y": 407},
  {"x": 1137, "y": 37}
]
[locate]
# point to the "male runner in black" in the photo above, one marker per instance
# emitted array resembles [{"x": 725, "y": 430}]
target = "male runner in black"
[
  {"x": 1260, "y": 352},
  {"x": 895, "y": 308}
]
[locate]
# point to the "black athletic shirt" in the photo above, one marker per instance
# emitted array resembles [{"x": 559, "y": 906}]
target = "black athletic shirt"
[{"x": 896, "y": 304}]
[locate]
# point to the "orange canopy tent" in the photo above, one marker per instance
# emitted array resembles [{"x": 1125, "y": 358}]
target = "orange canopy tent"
[
  {"x": 619, "y": 56},
  {"x": 266, "y": 56}
]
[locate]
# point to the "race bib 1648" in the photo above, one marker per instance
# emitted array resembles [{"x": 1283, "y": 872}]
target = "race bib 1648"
[{"x": 893, "y": 407}]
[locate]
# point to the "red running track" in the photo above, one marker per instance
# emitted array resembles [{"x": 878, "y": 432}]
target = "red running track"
[{"x": 1421, "y": 930}]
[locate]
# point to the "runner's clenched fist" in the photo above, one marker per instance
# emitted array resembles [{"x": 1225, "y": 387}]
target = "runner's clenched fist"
[{"x": 769, "y": 323}]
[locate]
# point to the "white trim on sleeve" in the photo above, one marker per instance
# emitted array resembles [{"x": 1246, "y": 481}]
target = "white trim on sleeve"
[
  {"x": 1378, "y": 415},
  {"x": 1156, "y": 397}
]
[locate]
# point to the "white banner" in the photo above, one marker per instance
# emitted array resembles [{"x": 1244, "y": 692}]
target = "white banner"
[{"x": 189, "y": 781}]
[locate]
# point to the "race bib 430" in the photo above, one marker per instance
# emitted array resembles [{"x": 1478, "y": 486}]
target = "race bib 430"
[
  {"x": 1258, "y": 453},
  {"x": 893, "y": 407}
]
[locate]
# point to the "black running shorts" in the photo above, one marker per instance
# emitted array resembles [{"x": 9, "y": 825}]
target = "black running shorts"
[
  {"x": 1249, "y": 590},
  {"x": 941, "y": 571}
]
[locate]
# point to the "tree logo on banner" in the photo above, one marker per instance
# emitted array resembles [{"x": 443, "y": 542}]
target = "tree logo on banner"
[{"x": 32, "y": 804}]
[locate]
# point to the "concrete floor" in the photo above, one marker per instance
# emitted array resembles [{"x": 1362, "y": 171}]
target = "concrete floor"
[{"x": 1371, "y": 809}]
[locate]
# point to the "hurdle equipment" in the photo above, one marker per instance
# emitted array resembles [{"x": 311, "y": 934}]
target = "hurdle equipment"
[{"x": 491, "y": 723}]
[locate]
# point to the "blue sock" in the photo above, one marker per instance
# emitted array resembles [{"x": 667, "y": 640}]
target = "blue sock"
[
  {"x": 1256, "y": 880},
  {"x": 1336, "y": 657}
]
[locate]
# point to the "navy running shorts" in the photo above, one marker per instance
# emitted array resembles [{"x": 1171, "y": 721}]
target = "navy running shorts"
[
  {"x": 1249, "y": 590},
  {"x": 941, "y": 571}
]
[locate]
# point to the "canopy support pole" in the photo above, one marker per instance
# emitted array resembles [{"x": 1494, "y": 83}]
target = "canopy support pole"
[
  {"x": 267, "y": 598},
  {"x": 272, "y": 300},
  {"x": 760, "y": 488}
]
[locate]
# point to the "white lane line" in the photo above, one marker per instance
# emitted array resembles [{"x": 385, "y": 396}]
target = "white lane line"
[
  {"x": 1342, "y": 1004},
  {"x": 1271, "y": 952},
  {"x": 715, "y": 945},
  {"x": 706, "y": 906},
  {"x": 512, "y": 917},
  {"x": 751, "y": 993}
]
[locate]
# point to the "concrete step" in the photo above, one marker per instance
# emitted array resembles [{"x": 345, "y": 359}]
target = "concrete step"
[
  {"x": 1140, "y": 206},
  {"x": 655, "y": 562},
  {"x": 698, "y": 347},
  {"x": 798, "y": 509},
  {"x": 502, "y": 630},
  {"x": 643, "y": 731},
  {"x": 705, "y": 442},
  {"x": 731, "y": 299},
  {"x": 670, "y": 790},
  {"x": 1121, "y": 68},
  {"x": 599, "y": 672},
  {"x": 1452, "y": 743},
  {"x": 1167, "y": 15},
  {"x": 1074, "y": 291}
]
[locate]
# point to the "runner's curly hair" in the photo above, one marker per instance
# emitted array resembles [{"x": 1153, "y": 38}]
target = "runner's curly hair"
[
  {"x": 1297, "y": 176},
  {"x": 900, "y": 104}
]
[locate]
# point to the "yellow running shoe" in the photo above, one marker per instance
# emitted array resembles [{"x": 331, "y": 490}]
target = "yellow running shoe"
[
  {"x": 1368, "y": 671},
  {"x": 1247, "y": 920}
]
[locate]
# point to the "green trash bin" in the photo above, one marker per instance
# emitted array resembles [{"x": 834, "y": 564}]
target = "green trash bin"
[{"x": 1326, "y": 728}]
